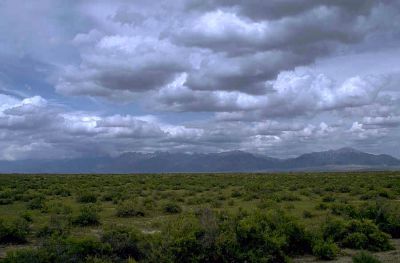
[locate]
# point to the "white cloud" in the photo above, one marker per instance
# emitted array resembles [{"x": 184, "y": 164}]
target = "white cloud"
[{"x": 293, "y": 93}]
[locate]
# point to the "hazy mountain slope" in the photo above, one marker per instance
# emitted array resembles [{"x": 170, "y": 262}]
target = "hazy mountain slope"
[
  {"x": 234, "y": 161},
  {"x": 343, "y": 156}
]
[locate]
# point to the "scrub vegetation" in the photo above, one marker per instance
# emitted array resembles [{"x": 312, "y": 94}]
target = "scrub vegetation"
[{"x": 198, "y": 217}]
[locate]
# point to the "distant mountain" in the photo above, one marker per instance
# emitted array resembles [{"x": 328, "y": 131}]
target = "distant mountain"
[
  {"x": 233, "y": 161},
  {"x": 341, "y": 157}
]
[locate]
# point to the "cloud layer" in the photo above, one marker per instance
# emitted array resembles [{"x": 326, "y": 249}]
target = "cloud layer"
[{"x": 104, "y": 77}]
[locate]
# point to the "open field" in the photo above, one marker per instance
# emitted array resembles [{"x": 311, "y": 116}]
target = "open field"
[{"x": 199, "y": 217}]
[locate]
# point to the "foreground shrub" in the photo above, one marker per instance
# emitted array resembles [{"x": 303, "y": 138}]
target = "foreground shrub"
[
  {"x": 6, "y": 201},
  {"x": 61, "y": 191},
  {"x": 210, "y": 237},
  {"x": 87, "y": 198},
  {"x": 36, "y": 203},
  {"x": 57, "y": 208},
  {"x": 14, "y": 232},
  {"x": 57, "y": 226},
  {"x": 328, "y": 199},
  {"x": 125, "y": 243},
  {"x": 288, "y": 197},
  {"x": 344, "y": 210},
  {"x": 365, "y": 257},
  {"x": 307, "y": 214},
  {"x": 358, "y": 234},
  {"x": 25, "y": 256},
  {"x": 326, "y": 250},
  {"x": 57, "y": 249},
  {"x": 129, "y": 209},
  {"x": 386, "y": 216},
  {"x": 172, "y": 208},
  {"x": 88, "y": 216}
]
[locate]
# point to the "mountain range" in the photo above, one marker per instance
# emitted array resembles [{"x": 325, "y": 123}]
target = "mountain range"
[{"x": 233, "y": 161}]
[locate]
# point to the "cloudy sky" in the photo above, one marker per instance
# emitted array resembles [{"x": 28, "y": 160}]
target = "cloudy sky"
[{"x": 276, "y": 77}]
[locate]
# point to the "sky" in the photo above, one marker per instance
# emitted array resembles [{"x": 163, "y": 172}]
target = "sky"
[{"x": 278, "y": 77}]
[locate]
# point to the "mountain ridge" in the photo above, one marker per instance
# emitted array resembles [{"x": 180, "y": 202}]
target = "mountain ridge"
[{"x": 231, "y": 161}]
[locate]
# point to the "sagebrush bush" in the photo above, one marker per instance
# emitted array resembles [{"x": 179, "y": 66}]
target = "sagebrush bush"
[
  {"x": 25, "y": 256},
  {"x": 326, "y": 250},
  {"x": 328, "y": 199},
  {"x": 172, "y": 208},
  {"x": 334, "y": 229},
  {"x": 6, "y": 201},
  {"x": 288, "y": 197},
  {"x": 125, "y": 243},
  {"x": 56, "y": 207},
  {"x": 344, "y": 210},
  {"x": 359, "y": 234},
  {"x": 14, "y": 231},
  {"x": 87, "y": 198},
  {"x": 210, "y": 237},
  {"x": 58, "y": 225},
  {"x": 36, "y": 203},
  {"x": 88, "y": 216},
  {"x": 386, "y": 216},
  {"x": 365, "y": 257},
  {"x": 61, "y": 191},
  {"x": 129, "y": 209},
  {"x": 307, "y": 214},
  {"x": 321, "y": 206}
]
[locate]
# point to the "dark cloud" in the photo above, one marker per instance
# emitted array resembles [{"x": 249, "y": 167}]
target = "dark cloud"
[
  {"x": 276, "y": 9},
  {"x": 118, "y": 64},
  {"x": 246, "y": 73}
]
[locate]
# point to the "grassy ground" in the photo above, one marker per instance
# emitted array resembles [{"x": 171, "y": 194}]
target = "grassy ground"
[{"x": 312, "y": 198}]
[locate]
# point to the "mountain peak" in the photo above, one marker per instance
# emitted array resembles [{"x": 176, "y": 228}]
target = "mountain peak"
[
  {"x": 346, "y": 150},
  {"x": 231, "y": 161},
  {"x": 234, "y": 152}
]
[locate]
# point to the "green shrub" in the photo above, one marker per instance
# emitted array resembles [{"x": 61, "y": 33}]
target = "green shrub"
[
  {"x": 334, "y": 229},
  {"x": 307, "y": 214},
  {"x": 365, "y": 257},
  {"x": 376, "y": 240},
  {"x": 14, "y": 232},
  {"x": 125, "y": 243},
  {"x": 88, "y": 216},
  {"x": 356, "y": 240},
  {"x": 210, "y": 237},
  {"x": 359, "y": 234},
  {"x": 172, "y": 208},
  {"x": 87, "y": 198},
  {"x": 57, "y": 226},
  {"x": 321, "y": 206},
  {"x": 386, "y": 216},
  {"x": 6, "y": 201},
  {"x": 326, "y": 250},
  {"x": 344, "y": 210},
  {"x": 236, "y": 194},
  {"x": 61, "y": 191},
  {"x": 80, "y": 250},
  {"x": 288, "y": 197},
  {"x": 328, "y": 199},
  {"x": 107, "y": 197},
  {"x": 24, "y": 256},
  {"x": 75, "y": 249},
  {"x": 129, "y": 209},
  {"x": 59, "y": 208},
  {"x": 26, "y": 215},
  {"x": 36, "y": 203}
]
